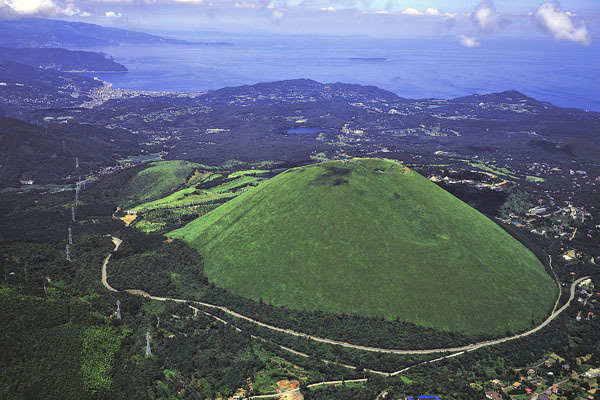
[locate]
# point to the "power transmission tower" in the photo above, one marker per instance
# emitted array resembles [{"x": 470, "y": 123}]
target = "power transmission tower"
[
  {"x": 76, "y": 162},
  {"x": 70, "y": 236},
  {"x": 148, "y": 352},
  {"x": 72, "y": 213},
  {"x": 119, "y": 317},
  {"x": 77, "y": 194},
  {"x": 68, "y": 253}
]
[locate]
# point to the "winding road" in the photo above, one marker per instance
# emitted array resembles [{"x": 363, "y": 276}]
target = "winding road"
[{"x": 455, "y": 350}]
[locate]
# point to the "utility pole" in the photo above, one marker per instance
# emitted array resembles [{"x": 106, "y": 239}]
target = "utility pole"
[
  {"x": 76, "y": 162},
  {"x": 68, "y": 253},
  {"x": 148, "y": 352},
  {"x": 77, "y": 194},
  {"x": 119, "y": 315},
  {"x": 72, "y": 213},
  {"x": 70, "y": 241}
]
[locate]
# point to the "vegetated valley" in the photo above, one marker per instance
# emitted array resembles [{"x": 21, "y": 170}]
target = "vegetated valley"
[{"x": 327, "y": 232}]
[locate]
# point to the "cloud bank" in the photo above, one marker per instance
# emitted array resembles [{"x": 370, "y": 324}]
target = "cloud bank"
[
  {"x": 38, "y": 8},
  {"x": 560, "y": 24}
]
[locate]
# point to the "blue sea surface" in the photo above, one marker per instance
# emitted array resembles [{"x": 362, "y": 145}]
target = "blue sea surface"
[{"x": 562, "y": 73}]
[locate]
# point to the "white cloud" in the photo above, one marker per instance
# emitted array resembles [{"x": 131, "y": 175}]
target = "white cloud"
[
  {"x": 383, "y": 12},
  {"x": 18, "y": 8},
  {"x": 487, "y": 18},
  {"x": 327, "y": 9},
  {"x": 112, "y": 1},
  {"x": 112, "y": 14},
  {"x": 468, "y": 41},
  {"x": 189, "y": 1},
  {"x": 71, "y": 10},
  {"x": 434, "y": 12},
  {"x": 411, "y": 11},
  {"x": 560, "y": 25},
  {"x": 245, "y": 4},
  {"x": 277, "y": 16}
]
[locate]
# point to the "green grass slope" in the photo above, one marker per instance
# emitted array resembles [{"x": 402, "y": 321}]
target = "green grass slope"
[
  {"x": 158, "y": 180},
  {"x": 374, "y": 238}
]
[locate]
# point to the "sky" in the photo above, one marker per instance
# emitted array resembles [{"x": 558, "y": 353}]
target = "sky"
[{"x": 470, "y": 22}]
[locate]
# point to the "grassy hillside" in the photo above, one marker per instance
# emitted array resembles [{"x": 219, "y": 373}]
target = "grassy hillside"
[
  {"x": 195, "y": 195},
  {"x": 374, "y": 238},
  {"x": 202, "y": 192},
  {"x": 159, "y": 179}
]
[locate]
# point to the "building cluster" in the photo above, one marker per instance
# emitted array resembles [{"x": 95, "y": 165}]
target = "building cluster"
[{"x": 550, "y": 380}]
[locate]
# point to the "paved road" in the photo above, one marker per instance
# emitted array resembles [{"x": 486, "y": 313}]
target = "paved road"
[
  {"x": 456, "y": 351},
  {"x": 469, "y": 347}
]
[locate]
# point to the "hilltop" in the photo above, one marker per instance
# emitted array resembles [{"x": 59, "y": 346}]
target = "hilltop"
[{"x": 372, "y": 237}]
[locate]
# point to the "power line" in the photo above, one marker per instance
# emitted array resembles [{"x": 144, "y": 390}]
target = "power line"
[{"x": 148, "y": 351}]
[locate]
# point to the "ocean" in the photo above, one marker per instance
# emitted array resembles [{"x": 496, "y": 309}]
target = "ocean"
[{"x": 561, "y": 73}]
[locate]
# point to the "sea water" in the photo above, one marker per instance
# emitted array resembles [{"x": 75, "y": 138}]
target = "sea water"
[{"x": 563, "y": 73}]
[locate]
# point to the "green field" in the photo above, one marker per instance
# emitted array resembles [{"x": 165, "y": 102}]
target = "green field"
[
  {"x": 199, "y": 191},
  {"x": 530, "y": 178},
  {"x": 159, "y": 179},
  {"x": 495, "y": 170},
  {"x": 374, "y": 238}
]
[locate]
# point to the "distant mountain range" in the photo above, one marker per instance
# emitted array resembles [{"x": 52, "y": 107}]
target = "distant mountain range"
[
  {"x": 36, "y": 32},
  {"x": 61, "y": 59}
]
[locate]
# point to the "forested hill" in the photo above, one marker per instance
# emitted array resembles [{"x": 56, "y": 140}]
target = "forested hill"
[
  {"x": 61, "y": 59},
  {"x": 303, "y": 90},
  {"x": 47, "y": 155}
]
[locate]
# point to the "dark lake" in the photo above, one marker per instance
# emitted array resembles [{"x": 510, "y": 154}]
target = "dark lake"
[{"x": 302, "y": 131}]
